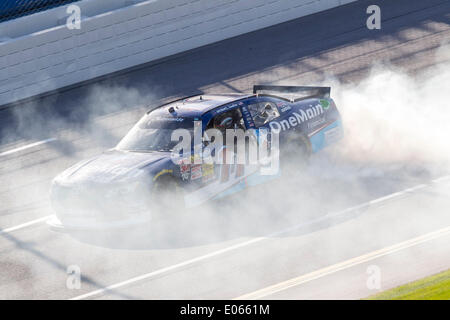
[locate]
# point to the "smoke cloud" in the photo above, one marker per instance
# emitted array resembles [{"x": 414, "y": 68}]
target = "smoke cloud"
[{"x": 396, "y": 131}]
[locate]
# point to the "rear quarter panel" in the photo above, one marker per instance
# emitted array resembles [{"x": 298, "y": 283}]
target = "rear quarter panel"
[{"x": 317, "y": 120}]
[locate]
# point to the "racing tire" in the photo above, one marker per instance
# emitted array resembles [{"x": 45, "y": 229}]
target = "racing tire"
[
  {"x": 167, "y": 198},
  {"x": 295, "y": 154}
]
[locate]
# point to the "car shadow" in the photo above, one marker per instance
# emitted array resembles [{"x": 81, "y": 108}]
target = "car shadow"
[{"x": 294, "y": 205}]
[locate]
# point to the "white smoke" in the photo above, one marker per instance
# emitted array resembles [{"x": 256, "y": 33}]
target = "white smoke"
[
  {"x": 394, "y": 117},
  {"x": 394, "y": 122}
]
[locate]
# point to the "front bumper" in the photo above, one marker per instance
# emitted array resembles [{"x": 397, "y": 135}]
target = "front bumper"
[
  {"x": 85, "y": 224},
  {"x": 97, "y": 206}
]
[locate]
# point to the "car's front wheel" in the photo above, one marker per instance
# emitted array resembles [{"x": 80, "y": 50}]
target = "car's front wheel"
[{"x": 167, "y": 197}]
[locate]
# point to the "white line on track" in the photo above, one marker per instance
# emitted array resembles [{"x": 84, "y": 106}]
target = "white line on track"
[
  {"x": 23, "y": 225},
  {"x": 441, "y": 179},
  {"x": 343, "y": 265},
  {"x": 28, "y": 146},
  {"x": 158, "y": 272}
]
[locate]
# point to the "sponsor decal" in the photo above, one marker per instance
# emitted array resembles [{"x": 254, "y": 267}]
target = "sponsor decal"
[
  {"x": 168, "y": 119},
  {"x": 297, "y": 117},
  {"x": 196, "y": 171},
  {"x": 332, "y": 135},
  {"x": 185, "y": 168},
  {"x": 324, "y": 103},
  {"x": 226, "y": 108},
  {"x": 158, "y": 119},
  {"x": 247, "y": 117},
  {"x": 285, "y": 108},
  {"x": 207, "y": 172},
  {"x": 315, "y": 123}
]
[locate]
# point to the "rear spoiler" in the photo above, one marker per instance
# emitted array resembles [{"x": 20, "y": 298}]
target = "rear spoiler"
[{"x": 305, "y": 92}]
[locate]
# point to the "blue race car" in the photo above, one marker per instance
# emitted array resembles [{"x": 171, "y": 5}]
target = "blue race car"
[{"x": 140, "y": 178}]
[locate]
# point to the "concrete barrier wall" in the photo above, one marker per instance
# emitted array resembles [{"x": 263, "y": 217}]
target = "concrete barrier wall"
[
  {"x": 130, "y": 33},
  {"x": 12, "y": 9}
]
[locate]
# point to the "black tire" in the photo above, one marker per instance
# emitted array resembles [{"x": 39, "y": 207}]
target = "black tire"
[
  {"x": 295, "y": 153},
  {"x": 166, "y": 198}
]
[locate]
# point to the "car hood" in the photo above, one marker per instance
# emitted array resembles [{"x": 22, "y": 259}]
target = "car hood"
[{"x": 113, "y": 166}]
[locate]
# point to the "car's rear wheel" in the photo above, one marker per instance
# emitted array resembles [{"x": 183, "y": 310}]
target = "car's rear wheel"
[{"x": 295, "y": 153}]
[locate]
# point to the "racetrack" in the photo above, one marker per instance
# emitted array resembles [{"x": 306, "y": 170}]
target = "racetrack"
[{"x": 317, "y": 233}]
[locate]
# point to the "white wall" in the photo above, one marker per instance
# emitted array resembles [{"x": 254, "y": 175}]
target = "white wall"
[{"x": 39, "y": 53}]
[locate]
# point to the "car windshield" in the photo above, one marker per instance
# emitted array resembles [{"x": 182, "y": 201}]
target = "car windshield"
[{"x": 153, "y": 133}]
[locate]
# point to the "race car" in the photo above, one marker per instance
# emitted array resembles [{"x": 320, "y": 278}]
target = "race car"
[{"x": 141, "y": 179}]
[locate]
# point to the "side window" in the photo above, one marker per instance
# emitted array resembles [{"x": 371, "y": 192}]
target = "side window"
[
  {"x": 227, "y": 120},
  {"x": 263, "y": 112}
]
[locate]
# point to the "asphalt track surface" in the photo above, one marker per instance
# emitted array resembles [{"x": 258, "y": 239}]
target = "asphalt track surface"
[{"x": 320, "y": 247}]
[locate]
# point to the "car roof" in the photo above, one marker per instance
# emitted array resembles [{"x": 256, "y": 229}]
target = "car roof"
[{"x": 196, "y": 106}]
